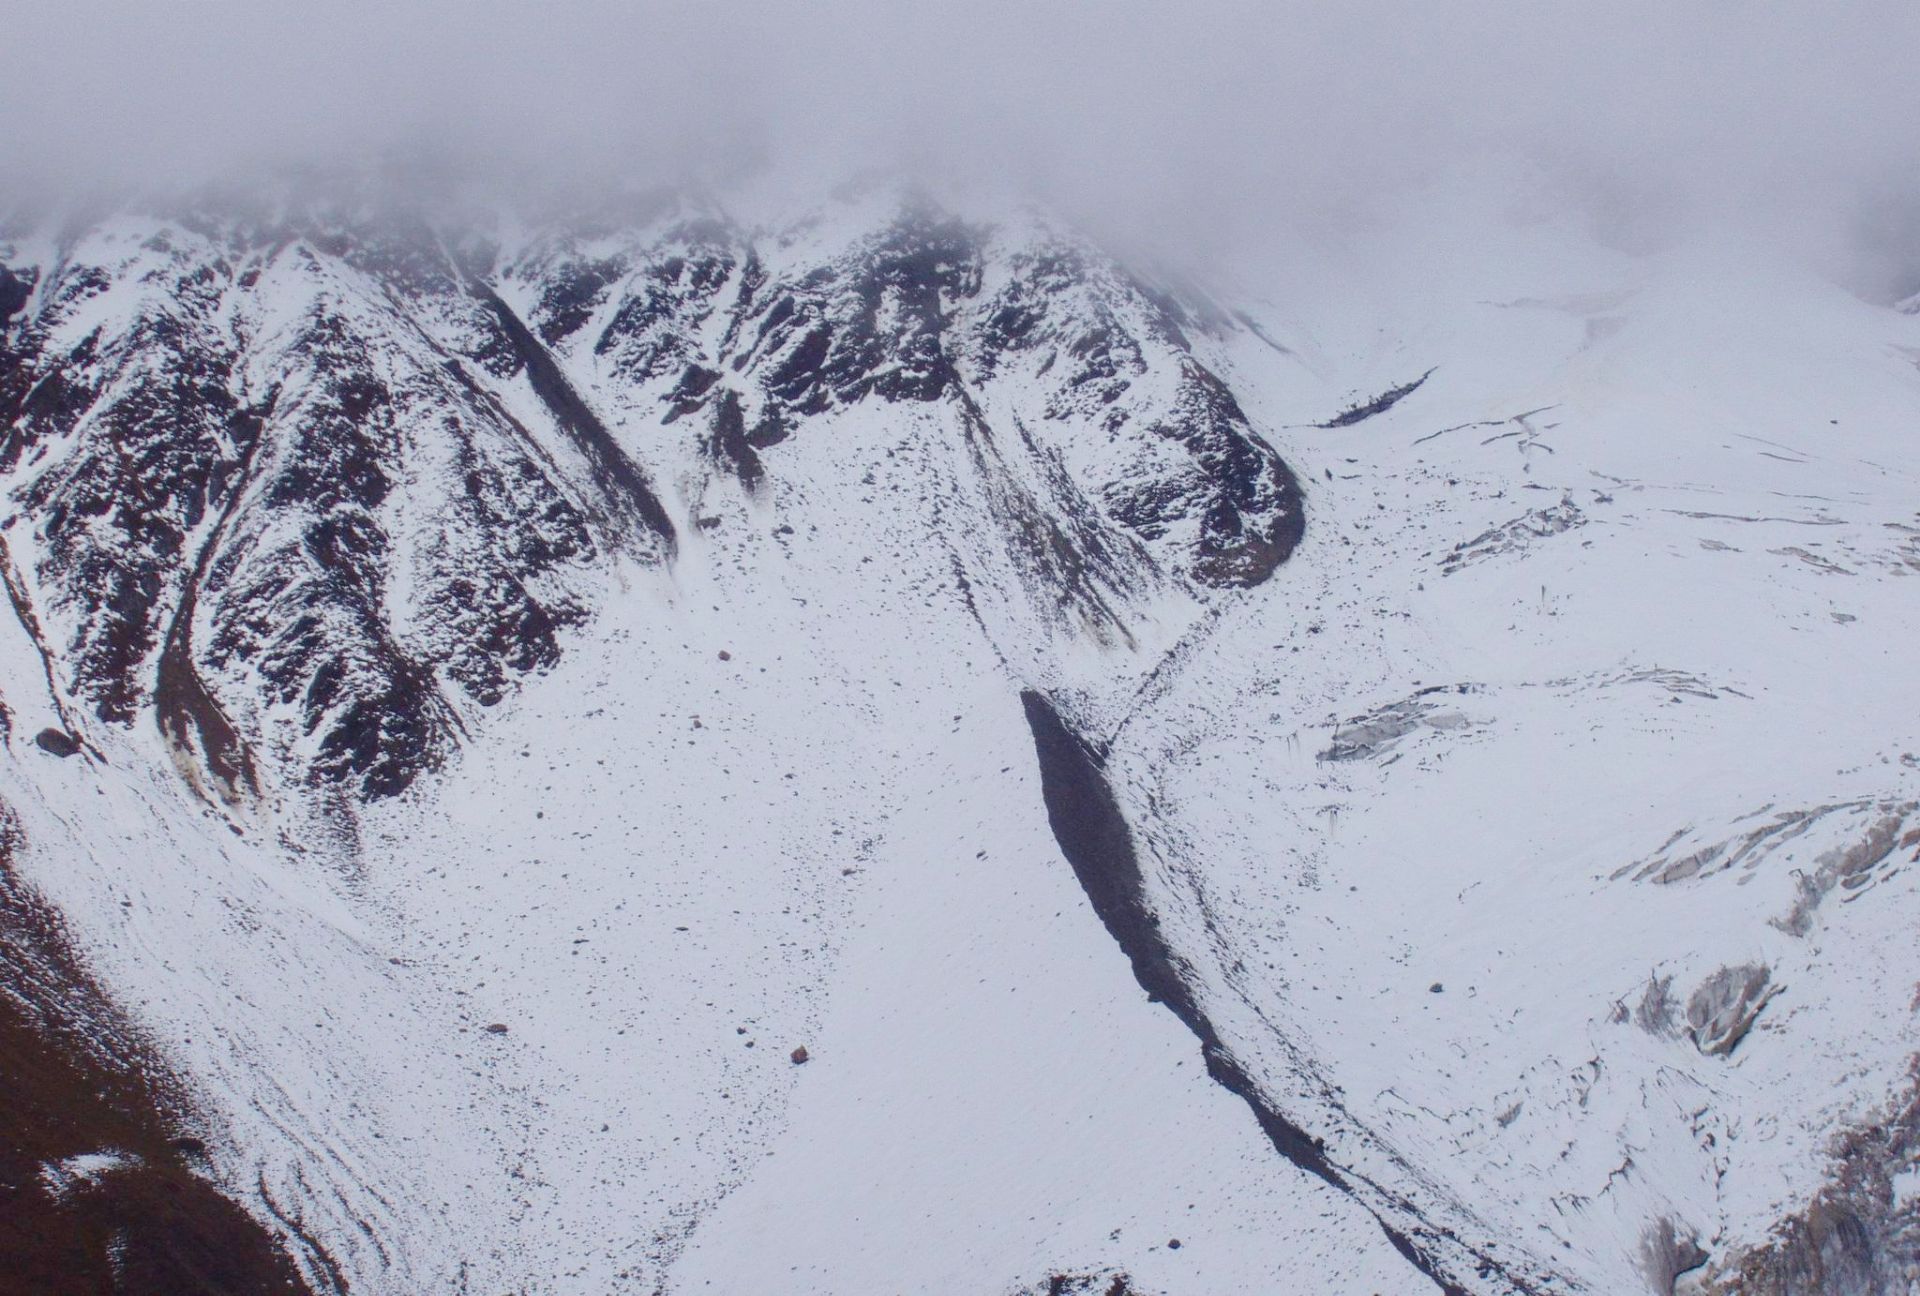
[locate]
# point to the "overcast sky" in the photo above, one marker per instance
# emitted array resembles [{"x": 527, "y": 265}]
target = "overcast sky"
[{"x": 1206, "y": 121}]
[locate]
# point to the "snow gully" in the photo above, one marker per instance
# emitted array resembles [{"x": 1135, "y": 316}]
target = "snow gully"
[{"x": 1092, "y": 832}]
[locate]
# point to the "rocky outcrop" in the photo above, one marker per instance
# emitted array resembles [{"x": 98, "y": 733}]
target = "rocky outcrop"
[
  {"x": 104, "y": 1174},
  {"x": 1859, "y": 1236},
  {"x": 1722, "y": 1010},
  {"x": 1517, "y": 536},
  {"x": 314, "y": 486}
]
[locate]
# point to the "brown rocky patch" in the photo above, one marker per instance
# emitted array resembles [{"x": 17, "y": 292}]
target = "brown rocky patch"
[{"x": 100, "y": 1151}]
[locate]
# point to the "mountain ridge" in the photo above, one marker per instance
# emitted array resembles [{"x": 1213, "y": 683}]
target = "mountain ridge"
[{"x": 520, "y": 684}]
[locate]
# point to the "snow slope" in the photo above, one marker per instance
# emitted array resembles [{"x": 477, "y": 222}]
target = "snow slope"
[{"x": 534, "y": 677}]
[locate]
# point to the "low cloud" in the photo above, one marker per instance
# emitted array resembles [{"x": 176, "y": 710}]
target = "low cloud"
[{"x": 1198, "y": 126}]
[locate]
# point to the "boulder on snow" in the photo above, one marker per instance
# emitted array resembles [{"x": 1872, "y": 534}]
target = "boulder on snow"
[{"x": 57, "y": 741}]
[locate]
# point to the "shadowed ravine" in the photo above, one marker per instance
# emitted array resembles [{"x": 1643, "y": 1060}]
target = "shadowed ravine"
[
  {"x": 626, "y": 489},
  {"x": 1093, "y": 835}
]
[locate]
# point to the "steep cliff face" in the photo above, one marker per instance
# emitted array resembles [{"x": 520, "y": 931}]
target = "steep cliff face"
[
  {"x": 266, "y": 508},
  {"x": 322, "y": 485}
]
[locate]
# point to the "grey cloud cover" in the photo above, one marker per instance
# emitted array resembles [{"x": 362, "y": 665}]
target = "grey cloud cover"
[{"x": 1207, "y": 122}]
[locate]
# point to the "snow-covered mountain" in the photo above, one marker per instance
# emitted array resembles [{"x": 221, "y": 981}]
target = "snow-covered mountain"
[{"x": 884, "y": 751}]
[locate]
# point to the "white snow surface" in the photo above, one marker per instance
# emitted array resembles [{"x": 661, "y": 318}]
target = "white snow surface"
[
  {"x": 70, "y": 1173},
  {"x": 782, "y": 794}
]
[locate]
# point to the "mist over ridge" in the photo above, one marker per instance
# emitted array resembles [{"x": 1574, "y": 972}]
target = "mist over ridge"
[{"x": 1198, "y": 132}]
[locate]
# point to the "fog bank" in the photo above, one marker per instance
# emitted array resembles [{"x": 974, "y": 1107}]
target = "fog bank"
[{"x": 1200, "y": 129}]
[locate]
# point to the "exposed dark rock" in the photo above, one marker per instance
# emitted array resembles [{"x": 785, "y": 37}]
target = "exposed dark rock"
[
  {"x": 1849, "y": 866},
  {"x": 1248, "y": 500},
  {"x": 1092, "y": 832},
  {"x": 626, "y": 488},
  {"x": 668, "y": 294},
  {"x": 155, "y": 440},
  {"x": 729, "y": 447},
  {"x": 689, "y": 394},
  {"x": 305, "y": 612},
  {"x": 189, "y": 713},
  {"x": 1102, "y": 1282},
  {"x": 98, "y": 1191},
  {"x": 869, "y": 323},
  {"x": 1859, "y": 1236},
  {"x": 57, "y": 741},
  {"x": 14, "y": 291},
  {"x": 1206, "y": 492},
  {"x": 1375, "y": 733},
  {"x": 1723, "y": 1009},
  {"x": 1380, "y": 404},
  {"x": 1880, "y": 822},
  {"x": 1657, "y": 1013},
  {"x": 571, "y": 295},
  {"x": 231, "y": 526},
  {"x": 1516, "y": 536},
  {"x": 1668, "y": 1250}
]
